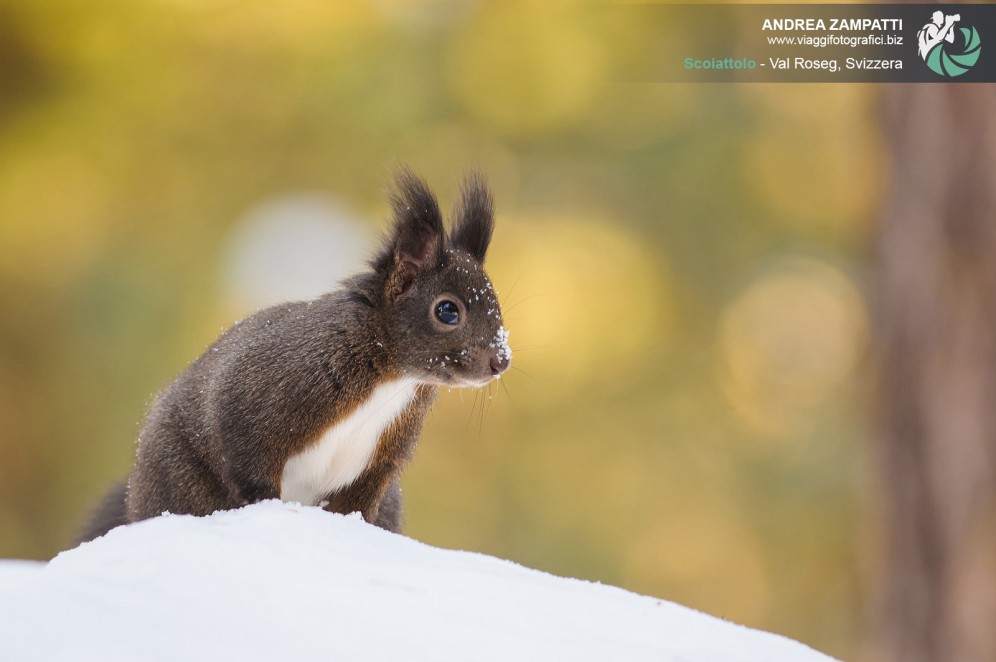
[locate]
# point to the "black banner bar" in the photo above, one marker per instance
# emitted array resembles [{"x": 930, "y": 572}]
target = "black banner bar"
[{"x": 880, "y": 43}]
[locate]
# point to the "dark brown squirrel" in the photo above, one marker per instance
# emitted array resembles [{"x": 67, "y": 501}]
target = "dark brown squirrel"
[{"x": 321, "y": 402}]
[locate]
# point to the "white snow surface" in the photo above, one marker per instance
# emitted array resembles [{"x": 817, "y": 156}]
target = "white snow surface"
[{"x": 279, "y": 581}]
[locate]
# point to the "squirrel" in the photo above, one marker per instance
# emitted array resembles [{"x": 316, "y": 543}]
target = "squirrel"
[{"x": 321, "y": 402}]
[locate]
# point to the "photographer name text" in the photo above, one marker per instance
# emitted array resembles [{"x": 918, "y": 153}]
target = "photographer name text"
[{"x": 833, "y": 24}]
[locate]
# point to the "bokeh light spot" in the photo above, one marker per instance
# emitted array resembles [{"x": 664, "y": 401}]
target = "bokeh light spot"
[
  {"x": 574, "y": 308},
  {"x": 786, "y": 341},
  {"x": 291, "y": 249}
]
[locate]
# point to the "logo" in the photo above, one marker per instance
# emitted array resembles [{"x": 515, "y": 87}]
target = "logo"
[{"x": 948, "y": 50}]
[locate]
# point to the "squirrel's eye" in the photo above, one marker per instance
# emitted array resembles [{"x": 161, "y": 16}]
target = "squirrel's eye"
[{"x": 447, "y": 312}]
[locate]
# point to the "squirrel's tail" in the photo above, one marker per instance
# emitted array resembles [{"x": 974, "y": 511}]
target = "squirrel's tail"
[{"x": 110, "y": 513}]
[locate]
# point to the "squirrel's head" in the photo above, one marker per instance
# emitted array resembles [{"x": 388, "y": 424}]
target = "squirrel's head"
[{"x": 440, "y": 308}]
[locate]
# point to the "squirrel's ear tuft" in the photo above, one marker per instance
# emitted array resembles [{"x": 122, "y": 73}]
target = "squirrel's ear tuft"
[
  {"x": 474, "y": 218},
  {"x": 416, "y": 240}
]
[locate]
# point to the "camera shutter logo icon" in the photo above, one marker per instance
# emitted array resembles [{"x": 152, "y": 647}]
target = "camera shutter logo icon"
[{"x": 948, "y": 49}]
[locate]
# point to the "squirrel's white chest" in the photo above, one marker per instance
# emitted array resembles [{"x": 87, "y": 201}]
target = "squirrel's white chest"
[{"x": 344, "y": 450}]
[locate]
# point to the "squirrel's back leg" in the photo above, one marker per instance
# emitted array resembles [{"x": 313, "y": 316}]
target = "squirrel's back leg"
[{"x": 110, "y": 513}]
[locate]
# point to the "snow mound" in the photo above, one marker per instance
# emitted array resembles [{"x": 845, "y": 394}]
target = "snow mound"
[{"x": 278, "y": 581}]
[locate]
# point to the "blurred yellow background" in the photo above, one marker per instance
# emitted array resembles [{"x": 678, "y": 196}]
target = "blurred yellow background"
[{"x": 682, "y": 268}]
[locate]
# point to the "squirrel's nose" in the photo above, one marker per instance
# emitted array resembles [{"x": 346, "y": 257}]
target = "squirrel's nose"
[{"x": 499, "y": 365}]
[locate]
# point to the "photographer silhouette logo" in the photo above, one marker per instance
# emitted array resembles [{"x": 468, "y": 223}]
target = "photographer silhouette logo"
[{"x": 948, "y": 50}]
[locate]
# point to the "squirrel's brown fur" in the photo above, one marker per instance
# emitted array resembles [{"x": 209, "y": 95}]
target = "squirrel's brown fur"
[{"x": 219, "y": 436}]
